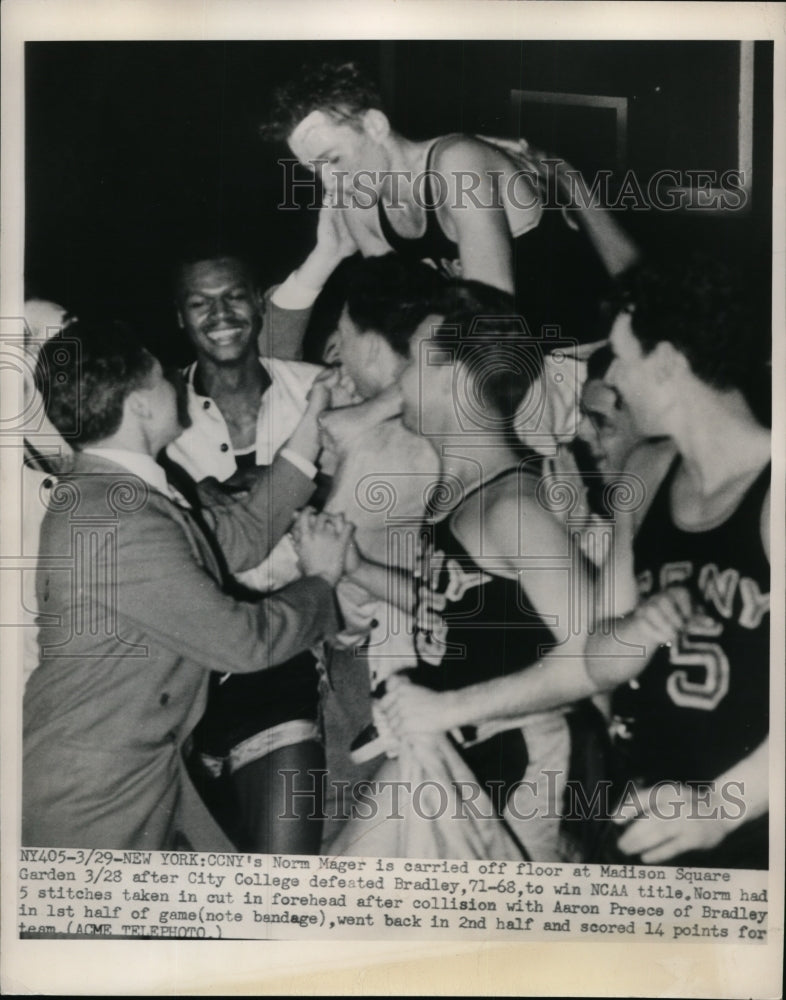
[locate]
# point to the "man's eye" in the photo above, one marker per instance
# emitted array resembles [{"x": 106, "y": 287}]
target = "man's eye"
[
  {"x": 195, "y": 303},
  {"x": 238, "y": 296}
]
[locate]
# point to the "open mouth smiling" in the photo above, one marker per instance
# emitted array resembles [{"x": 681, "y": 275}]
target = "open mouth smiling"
[{"x": 224, "y": 335}]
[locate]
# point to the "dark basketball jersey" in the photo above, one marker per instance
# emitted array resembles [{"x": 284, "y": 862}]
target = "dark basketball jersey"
[
  {"x": 559, "y": 278},
  {"x": 472, "y": 626},
  {"x": 701, "y": 705},
  {"x": 432, "y": 245}
]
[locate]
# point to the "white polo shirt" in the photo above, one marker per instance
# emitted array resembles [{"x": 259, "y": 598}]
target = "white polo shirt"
[{"x": 205, "y": 448}]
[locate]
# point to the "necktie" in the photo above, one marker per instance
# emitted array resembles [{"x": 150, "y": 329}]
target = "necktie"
[{"x": 184, "y": 493}]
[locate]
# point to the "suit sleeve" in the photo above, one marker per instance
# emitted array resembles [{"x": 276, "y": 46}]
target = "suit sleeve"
[
  {"x": 162, "y": 587},
  {"x": 248, "y": 528},
  {"x": 283, "y": 330}
]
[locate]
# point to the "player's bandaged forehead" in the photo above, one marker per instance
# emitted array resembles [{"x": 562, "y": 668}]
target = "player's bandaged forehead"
[{"x": 314, "y": 126}]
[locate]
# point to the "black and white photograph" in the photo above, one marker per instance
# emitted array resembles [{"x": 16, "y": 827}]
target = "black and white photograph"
[{"x": 394, "y": 453}]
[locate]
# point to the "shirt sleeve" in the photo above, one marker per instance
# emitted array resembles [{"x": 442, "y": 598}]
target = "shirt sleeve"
[
  {"x": 287, "y": 312},
  {"x": 306, "y": 467},
  {"x": 294, "y": 294},
  {"x": 249, "y": 528}
]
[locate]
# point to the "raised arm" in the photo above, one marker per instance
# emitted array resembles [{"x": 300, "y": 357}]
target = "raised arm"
[
  {"x": 288, "y": 306},
  {"x": 615, "y": 247}
]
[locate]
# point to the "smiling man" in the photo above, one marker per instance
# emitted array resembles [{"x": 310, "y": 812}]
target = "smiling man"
[{"x": 243, "y": 409}]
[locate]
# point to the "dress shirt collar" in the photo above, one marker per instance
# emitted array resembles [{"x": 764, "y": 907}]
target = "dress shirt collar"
[{"x": 137, "y": 463}]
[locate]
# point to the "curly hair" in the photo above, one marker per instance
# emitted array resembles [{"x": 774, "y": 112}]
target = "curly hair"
[
  {"x": 699, "y": 305},
  {"x": 341, "y": 90}
]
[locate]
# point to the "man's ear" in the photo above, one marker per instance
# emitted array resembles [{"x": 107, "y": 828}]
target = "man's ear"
[
  {"x": 376, "y": 124},
  {"x": 137, "y": 403},
  {"x": 179, "y": 315}
]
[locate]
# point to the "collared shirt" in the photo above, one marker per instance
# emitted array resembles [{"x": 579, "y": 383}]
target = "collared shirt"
[
  {"x": 137, "y": 463},
  {"x": 205, "y": 448}
]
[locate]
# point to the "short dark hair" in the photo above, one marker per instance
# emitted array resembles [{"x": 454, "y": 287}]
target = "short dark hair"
[
  {"x": 341, "y": 90},
  {"x": 699, "y": 305},
  {"x": 392, "y": 295},
  {"x": 199, "y": 252},
  {"x": 84, "y": 375},
  {"x": 487, "y": 334}
]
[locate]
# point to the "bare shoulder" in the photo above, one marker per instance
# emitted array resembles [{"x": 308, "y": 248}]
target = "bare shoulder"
[
  {"x": 465, "y": 150},
  {"x": 518, "y": 522},
  {"x": 486, "y": 175},
  {"x": 457, "y": 153}
]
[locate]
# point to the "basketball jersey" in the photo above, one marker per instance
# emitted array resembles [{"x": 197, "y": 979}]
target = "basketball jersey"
[
  {"x": 433, "y": 245},
  {"x": 702, "y": 704},
  {"x": 559, "y": 278},
  {"x": 472, "y": 626}
]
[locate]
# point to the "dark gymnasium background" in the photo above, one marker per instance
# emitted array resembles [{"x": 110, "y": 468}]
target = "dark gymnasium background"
[{"x": 136, "y": 149}]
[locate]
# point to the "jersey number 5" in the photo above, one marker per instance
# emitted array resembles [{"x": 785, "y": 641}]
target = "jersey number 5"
[{"x": 708, "y": 691}]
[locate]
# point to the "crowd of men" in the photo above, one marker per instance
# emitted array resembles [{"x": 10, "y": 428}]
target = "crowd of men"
[{"x": 260, "y": 571}]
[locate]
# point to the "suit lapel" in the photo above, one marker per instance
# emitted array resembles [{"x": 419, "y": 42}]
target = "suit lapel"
[{"x": 203, "y": 546}]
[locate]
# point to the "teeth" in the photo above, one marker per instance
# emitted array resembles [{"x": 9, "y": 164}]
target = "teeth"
[{"x": 223, "y": 336}]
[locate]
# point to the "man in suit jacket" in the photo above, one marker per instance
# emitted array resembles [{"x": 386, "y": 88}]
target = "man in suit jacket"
[{"x": 133, "y": 580}]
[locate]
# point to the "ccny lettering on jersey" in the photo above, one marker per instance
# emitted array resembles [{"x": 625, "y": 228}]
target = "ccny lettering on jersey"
[
  {"x": 727, "y": 596},
  {"x": 432, "y": 599}
]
